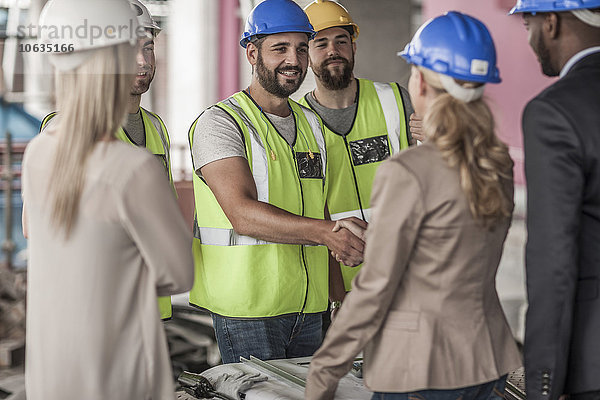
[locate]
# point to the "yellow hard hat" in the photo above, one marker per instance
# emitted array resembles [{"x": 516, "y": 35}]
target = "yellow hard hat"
[{"x": 325, "y": 14}]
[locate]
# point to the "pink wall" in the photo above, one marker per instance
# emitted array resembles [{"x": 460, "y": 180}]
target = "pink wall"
[
  {"x": 229, "y": 35},
  {"x": 520, "y": 72}
]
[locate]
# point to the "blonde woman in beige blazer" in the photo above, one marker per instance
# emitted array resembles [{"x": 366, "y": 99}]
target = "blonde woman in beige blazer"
[
  {"x": 424, "y": 308},
  {"x": 106, "y": 236}
]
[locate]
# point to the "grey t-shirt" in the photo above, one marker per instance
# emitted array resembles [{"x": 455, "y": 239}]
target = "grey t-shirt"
[
  {"x": 341, "y": 120},
  {"x": 217, "y": 136},
  {"x": 134, "y": 126},
  {"x": 338, "y": 119}
]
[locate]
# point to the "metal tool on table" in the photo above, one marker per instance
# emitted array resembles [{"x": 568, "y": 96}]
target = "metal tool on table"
[
  {"x": 199, "y": 387},
  {"x": 270, "y": 369}
]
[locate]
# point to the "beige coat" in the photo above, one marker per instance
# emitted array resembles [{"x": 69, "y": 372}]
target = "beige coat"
[
  {"x": 424, "y": 307},
  {"x": 93, "y": 325}
]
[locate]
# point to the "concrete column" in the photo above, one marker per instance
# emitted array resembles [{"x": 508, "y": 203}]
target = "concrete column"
[
  {"x": 192, "y": 49},
  {"x": 385, "y": 28}
]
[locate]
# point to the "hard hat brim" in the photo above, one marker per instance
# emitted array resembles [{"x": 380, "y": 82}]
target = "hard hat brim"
[{"x": 247, "y": 39}]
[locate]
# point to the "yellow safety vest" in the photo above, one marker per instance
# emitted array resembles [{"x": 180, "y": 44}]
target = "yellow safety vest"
[
  {"x": 378, "y": 130},
  {"x": 240, "y": 276}
]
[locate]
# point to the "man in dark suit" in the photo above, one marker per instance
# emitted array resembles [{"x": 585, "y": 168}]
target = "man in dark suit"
[{"x": 561, "y": 129}]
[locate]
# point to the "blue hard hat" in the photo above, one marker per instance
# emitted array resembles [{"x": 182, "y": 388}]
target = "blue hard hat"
[
  {"x": 456, "y": 45},
  {"x": 276, "y": 16},
  {"x": 533, "y": 6}
]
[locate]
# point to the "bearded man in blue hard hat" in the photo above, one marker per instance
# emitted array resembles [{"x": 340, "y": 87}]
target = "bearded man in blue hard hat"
[
  {"x": 561, "y": 128},
  {"x": 364, "y": 121},
  {"x": 261, "y": 234}
]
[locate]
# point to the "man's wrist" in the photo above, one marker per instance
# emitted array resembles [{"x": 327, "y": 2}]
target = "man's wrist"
[{"x": 324, "y": 232}]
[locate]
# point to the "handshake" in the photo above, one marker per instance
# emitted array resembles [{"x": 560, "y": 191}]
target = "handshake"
[{"x": 349, "y": 245}]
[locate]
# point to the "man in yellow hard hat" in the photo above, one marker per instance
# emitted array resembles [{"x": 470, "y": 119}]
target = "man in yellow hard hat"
[{"x": 365, "y": 121}]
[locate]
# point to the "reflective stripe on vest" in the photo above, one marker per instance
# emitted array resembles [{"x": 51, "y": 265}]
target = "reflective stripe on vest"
[
  {"x": 390, "y": 113},
  {"x": 157, "y": 142},
  {"x": 225, "y": 237},
  {"x": 352, "y": 213},
  {"x": 260, "y": 170},
  {"x": 379, "y": 130},
  {"x": 259, "y": 158},
  {"x": 244, "y": 277}
]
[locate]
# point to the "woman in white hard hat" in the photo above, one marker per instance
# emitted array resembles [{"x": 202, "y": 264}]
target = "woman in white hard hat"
[
  {"x": 424, "y": 307},
  {"x": 105, "y": 234}
]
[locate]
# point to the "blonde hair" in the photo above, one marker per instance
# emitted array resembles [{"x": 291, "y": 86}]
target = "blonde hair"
[
  {"x": 92, "y": 100},
  {"x": 464, "y": 134}
]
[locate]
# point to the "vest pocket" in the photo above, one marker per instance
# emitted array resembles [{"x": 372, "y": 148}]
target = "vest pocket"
[
  {"x": 370, "y": 150},
  {"x": 309, "y": 167}
]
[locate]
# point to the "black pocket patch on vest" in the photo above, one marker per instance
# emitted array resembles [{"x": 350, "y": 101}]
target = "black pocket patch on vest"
[
  {"x": 309, "y": 167},
  {"x": 370, "y": 150}
]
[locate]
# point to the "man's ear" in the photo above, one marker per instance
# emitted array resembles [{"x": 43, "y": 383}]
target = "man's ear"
[
  {"x": 252, "y": 54},
  {"x": 551, "y": 25}
]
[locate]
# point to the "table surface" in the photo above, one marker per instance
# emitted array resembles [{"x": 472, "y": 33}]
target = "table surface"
[{"x": 276, "y": 388}]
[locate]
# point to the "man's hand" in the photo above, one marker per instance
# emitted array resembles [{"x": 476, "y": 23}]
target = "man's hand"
[
  {"x": 345, "y": 246},
  {"x": 231, "y": 182},
  {"x": 355, "y": 225},
  {"x": 416, "y": 127},
  {"x": 349, "y": 245}
]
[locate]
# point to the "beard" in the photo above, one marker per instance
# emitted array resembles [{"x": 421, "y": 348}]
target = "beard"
[
  {"x": 545, "y": 60},
  {"x": 141, "y": 86},
  {"x": 335, "y": 82},
  {"x": 269, "y": 79}
]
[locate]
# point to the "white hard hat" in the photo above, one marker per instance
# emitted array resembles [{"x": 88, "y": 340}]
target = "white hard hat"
[
  {"x": 144, "y": 17},
  {"x": 71, "y": 29}
]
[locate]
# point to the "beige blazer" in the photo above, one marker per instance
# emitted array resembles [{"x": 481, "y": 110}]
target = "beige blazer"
[
  {"x": 93, "y": 326},
  {"x": 424, "y": 307}
]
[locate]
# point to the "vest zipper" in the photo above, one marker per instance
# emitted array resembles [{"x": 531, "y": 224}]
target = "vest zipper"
[
  {"x": 362, "y": 213},
  {"x": 302, "y": 255}
]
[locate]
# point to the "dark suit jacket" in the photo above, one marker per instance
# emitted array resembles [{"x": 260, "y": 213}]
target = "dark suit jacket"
[{"x": 562, "y": 163}]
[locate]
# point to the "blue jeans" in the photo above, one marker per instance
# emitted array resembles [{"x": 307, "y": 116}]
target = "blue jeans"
[
  {"x": 291, "y": 336},
  {"x": 493, "y": 390}
]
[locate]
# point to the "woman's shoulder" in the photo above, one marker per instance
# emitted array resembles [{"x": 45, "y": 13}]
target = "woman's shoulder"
[
  {"x": 119, "y": 162},
  {"x": 427, "y": 166},
  {"x": 128, "y": 153},
  {"x": 40, "y": 141},
  {"x": 39, "y": 150},
  {"x": 419, "y": 158}
]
